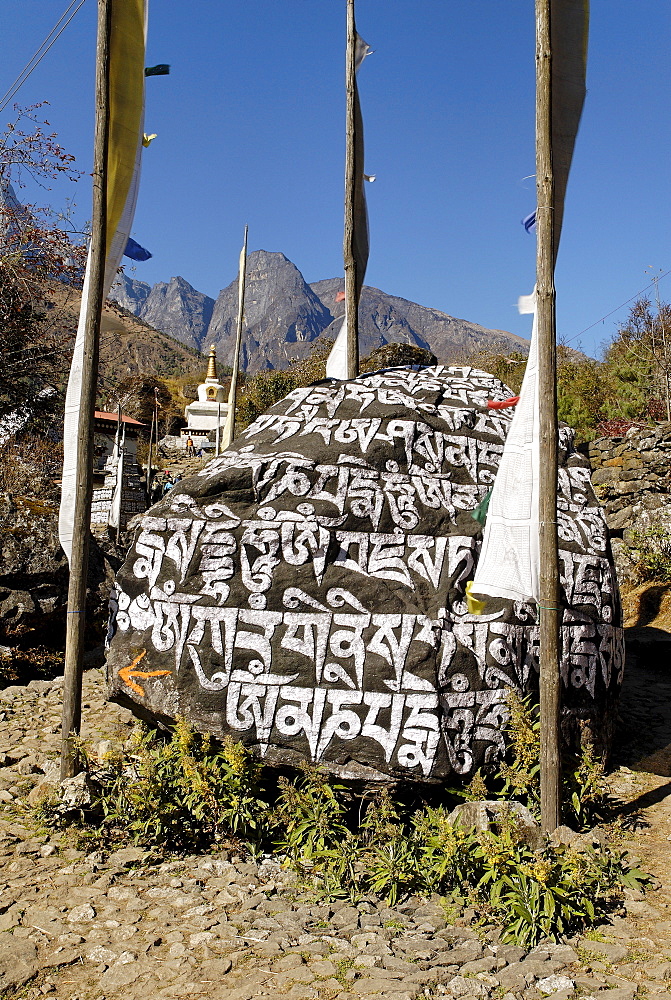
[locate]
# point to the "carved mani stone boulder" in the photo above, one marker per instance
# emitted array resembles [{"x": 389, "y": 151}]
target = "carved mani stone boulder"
[{"x": 305, "y": 592}]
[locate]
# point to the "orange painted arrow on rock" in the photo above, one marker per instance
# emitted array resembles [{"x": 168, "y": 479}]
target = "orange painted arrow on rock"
[{"x": 127, "y": 672}]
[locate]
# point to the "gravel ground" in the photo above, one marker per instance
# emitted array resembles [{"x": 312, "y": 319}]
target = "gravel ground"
[{"x": 93, "y": 926}]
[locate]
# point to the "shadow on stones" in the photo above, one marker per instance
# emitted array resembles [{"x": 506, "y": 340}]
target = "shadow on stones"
[
  {"x": 634, "y": 808},
  {"x": 650, "y": 604},
  {"x": 643, "y": 736}
]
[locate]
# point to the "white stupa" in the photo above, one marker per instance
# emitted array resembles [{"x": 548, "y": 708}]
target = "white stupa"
[{"x": 209, "y": 411}]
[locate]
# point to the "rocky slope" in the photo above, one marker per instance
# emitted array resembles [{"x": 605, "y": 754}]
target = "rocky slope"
[
  {"x": 130, "y": 293},
  {"x": 179, "y": 310},
  {"x": 285, "y": 316},
  {"x": 128, "y": 344}
]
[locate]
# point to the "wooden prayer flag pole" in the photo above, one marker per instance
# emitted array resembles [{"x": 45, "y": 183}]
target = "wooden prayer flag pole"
[
  {"x": 120, "y": 470},
  {"x": 156, "y": 409},
  {"x": 76, "y": 615},
  {"x": 121, "y": 443},
  {"x": 118, "y": 426},
  {"x": 351, "y": 302},
  {"x": 149, "y": 457},
  {"x": 229, "y": 427},
  {"x": 549, "y": 607}
]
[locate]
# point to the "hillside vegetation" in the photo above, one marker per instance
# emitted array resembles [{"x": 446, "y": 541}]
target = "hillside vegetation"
[{"x": 631, "y": 384}]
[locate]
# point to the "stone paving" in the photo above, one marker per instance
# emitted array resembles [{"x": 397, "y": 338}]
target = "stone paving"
[{"x": 96, "y": 926}]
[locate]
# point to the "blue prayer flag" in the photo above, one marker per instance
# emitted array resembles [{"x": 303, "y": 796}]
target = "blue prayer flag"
[
  {"x": 135, "y": 251},
  {"x": 530, "y": 222}
]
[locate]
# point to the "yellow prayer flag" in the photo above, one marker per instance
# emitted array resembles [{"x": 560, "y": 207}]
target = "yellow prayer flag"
[{"x": 475, "y": 607}]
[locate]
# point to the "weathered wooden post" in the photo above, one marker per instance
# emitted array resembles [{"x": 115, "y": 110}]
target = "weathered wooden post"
[
  {"x": 550, "y": 612},
  {"x": 349, "y": 254},
  {"x": 76, "y": 615},
  {"x": 229, "y": 427}
]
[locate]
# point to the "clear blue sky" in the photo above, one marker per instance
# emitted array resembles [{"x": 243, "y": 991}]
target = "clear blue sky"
[{"x": 250, "y": 129}]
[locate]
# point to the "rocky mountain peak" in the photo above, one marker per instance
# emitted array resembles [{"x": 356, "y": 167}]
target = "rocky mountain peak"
[
  {"x": 130, "y": 293},
  {"x": 179, "y": 309},
  {"x": 284, "y": 316}
]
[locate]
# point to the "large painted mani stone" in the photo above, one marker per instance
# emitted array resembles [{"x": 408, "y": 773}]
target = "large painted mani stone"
[{"x": 305, "y": 592}]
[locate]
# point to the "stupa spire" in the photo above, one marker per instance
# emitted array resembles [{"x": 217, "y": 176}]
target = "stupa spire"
[{"x": 212, "y": 364}]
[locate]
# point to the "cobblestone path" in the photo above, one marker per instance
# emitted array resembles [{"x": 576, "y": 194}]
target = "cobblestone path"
[{"x": 93, "y": 926}]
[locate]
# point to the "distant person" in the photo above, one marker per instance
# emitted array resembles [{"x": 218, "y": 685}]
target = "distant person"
[
  {"x": 201, "y": 453},
  {"x": 190, "y": 450},
  {"x": 167, "y": 484}
]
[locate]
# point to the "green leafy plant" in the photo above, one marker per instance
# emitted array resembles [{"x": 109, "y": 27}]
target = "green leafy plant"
[
  {"x": 539, "y": 897},
  {"x": 520, "y": 770},
  {"x": 653, "y": 545},
  {"x": 584, "y": 791},
  {"x": 476, "y": 789},
  {"x": 548, "y": 893},
  {"x": 310, "y": 811},
  {"x": 539, "y": 910},
  {"x": 394, "y": 869},
  {"x": 180, "y": 792},
  {"x": 584, "y": 787},
  {"x": 446, "y": 850},
  {"x": 381, "y": 818},
  {"x": 339, "y": 871}
]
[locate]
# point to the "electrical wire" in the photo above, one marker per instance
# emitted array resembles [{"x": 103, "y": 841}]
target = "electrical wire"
[
  {"x": 55, "y": 33},
  {"x": 617, "y": 308}
]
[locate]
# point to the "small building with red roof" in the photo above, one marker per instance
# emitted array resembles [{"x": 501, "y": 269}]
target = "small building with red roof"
[{"x": 104, "y": 433}]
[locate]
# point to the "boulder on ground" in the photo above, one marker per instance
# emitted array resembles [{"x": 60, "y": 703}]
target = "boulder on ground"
[
  {"x": 486, "y": 814},
  {"x": 305, "y": 592}
]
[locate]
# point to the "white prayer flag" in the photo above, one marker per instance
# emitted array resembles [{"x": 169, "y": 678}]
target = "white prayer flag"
[
  {"x": 114, "y": 518},
  {"x": 569, "y": 30},
  {"x": 229, "y": 427},
  {"x": 509, "y": 564},
  {"x": 336, "y": 364},
  {"x": 126, "y": 130}
]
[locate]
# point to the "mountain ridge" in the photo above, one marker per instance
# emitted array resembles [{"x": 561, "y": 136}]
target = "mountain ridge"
[{"x": 285, "y": 316}]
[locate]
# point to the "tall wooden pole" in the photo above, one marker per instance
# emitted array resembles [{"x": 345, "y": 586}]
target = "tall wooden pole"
[
  {"x": 120, "y": 457},
  {"x": 156, "y": 409},
  {"x": 120, "y": 484},
  {"x": 550, "y": 613},
  {"x": 76, "y": 617},
  {"x": 351, "y": 303},
  {"x": 149, "y": 458},
  {"x": 233, "y": 391}
]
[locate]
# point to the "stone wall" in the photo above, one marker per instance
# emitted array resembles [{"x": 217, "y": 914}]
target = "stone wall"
[
  {"x": 34, "y": 572},
  {"x": 133, "y": 495},
  {"x": 632, "y": 479}
]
